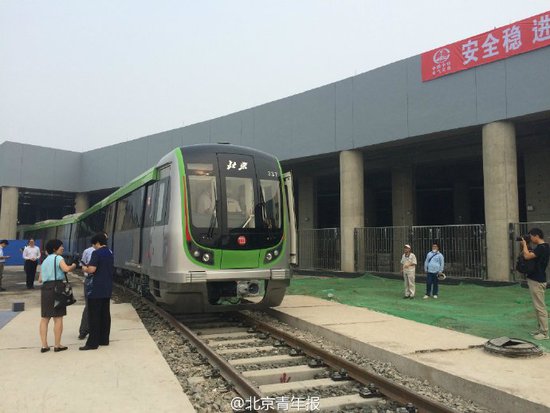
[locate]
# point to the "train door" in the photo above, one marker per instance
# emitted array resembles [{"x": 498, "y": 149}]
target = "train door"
[
  {"x": 158, "y": 249},
  {"x": 292, "y": 233}
]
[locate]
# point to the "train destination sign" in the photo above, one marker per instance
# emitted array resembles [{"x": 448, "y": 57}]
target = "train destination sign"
[{"x": 516, "y": 38}]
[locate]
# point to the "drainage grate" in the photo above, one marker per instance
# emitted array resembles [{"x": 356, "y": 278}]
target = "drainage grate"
[{"x": 512, "y": 347}]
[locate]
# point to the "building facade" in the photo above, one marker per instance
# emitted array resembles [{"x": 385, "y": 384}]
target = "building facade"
[{"x": 380, "y": 149}]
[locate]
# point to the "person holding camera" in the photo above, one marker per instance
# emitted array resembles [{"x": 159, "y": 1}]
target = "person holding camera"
[
  {"x": 51, "y": 274},
  {"x": 536, "y": 279}
]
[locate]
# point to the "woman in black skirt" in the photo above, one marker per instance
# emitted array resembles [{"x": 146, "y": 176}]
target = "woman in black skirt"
[{"x": 52, "y": 272}]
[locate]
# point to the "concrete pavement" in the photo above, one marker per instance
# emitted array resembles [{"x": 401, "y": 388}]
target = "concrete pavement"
[
  {"x": 452, "y": 360},
  {"x": 128, "y": 375}
]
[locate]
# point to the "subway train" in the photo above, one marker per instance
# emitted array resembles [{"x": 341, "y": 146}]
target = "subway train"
[{"x": 210, "y": 228}]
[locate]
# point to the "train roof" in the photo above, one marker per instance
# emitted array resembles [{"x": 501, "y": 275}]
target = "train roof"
[
  {"x": 48, "y": 223},
  {"x": 224, "y": 148},
  {"x": 147, "y": 176}
]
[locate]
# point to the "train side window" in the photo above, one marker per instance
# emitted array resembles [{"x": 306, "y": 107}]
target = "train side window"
[
  {"x": 149, "y": 205},
  {"x": 110, "y": 218},
  {"x": 161, "y": 196},
  {"x": 93, "y": 223},
  {"x": 162, "y": 201},
  {"x": 51, "y": 233},
  {"x": 130, "y": 209}
]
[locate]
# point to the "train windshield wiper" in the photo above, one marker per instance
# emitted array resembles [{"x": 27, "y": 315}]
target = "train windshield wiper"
[
  {"x": 213, "y": 217},
  {"x": 265, "y": 219},
  {"x": 248, "y": 220}
]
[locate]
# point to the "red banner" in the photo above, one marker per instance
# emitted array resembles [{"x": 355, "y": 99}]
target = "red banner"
[{"x": 516, "y": 38}]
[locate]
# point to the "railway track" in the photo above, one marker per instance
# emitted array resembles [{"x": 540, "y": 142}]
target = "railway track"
[{"x": 271, "y": 370}]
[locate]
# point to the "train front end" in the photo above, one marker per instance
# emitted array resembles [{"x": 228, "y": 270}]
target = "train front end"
[{"x": 234, "y": 230}]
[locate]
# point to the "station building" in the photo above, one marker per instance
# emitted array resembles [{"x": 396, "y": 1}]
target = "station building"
[{"x": 373, "y": 156}]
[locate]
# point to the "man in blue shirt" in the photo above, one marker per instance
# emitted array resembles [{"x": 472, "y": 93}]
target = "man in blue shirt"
[
  {"x": 434, "y": 265},
  {"x": 98, "y": 292}
]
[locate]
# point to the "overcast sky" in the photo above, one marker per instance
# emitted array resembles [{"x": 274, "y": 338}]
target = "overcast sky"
[{"x": 79, "y": 75}]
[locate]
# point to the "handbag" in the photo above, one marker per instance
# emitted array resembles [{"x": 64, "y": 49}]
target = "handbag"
[{"x": 63, "y": 295}]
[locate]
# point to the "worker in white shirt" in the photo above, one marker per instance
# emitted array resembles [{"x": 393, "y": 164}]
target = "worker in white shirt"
[
  {"x": 83, "y": 330},
  {"x": 31, "y": 255}
]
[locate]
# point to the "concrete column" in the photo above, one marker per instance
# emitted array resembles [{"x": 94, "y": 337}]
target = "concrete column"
[
  {"x": 501, "y": 194},
  {"x": 403, "y": 208},
  {"x": 81, "y": 202},
  {"x": 306, "y": 202},
  {"x": 8, "y": 212},
  {"x": 370, "y": 206},
  {"x": 461, "y": 202},
  {"x": 403, "y": 211},
  {"x": 537, "y": 182},
  {"x": 352, "y": 214}
]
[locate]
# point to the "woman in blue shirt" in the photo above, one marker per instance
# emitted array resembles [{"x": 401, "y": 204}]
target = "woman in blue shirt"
[{"x": 52, "y": 273}]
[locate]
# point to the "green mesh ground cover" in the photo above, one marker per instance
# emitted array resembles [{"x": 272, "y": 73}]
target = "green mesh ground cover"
[{"x": 481, "y": 311}]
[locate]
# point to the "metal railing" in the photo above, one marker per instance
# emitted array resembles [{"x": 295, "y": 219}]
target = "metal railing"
[
  {"x": 379, "y": 249},
  {"x": 517, "y": 229},
  {"x": 319, "y": 249}
]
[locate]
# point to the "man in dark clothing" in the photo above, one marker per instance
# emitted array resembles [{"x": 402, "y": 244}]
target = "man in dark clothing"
[
  {"x": 536, "y": 280},
  {"x": 99, "y": 287}
]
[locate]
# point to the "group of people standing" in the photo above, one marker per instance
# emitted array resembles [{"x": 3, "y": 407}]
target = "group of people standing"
[
  {"x": 98, "y": 287},
  {"x": 434, "y": 265}
]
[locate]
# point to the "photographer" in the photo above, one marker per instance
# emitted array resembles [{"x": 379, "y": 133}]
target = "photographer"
[{"x": 536, "y": 280}]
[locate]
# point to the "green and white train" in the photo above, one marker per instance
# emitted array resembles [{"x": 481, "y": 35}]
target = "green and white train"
[{"x": 209, "y": 228}]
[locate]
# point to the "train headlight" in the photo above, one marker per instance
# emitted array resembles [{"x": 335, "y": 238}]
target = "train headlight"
[
  {"x": 276, "y": 253},
  {"x": 269, "y": 256},
  {"x": 246, "y": 288},
  {"x": 200, "y": 254},
  {"x": 253, "y": 288}
]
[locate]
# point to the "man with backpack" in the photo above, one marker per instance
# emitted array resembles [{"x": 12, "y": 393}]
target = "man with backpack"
[{"x": 536, "y": 279}]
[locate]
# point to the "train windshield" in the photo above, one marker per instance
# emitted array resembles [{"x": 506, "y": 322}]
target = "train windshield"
[
  {"x": 271, "y": 203},
  {"x": 203, "y": 195},
  {"x": 233, "y": 194},
  {"x": 240, "y": 202}
]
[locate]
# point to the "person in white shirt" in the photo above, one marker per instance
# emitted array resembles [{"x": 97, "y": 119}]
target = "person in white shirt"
[
  {"x": 31, "y": 255},
  {"x": 3, "y": 258},
  {"x": 408, "y": 261}
]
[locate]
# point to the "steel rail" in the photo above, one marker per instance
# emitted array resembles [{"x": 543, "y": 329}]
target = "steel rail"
[
  {"x": 388, "y": 388},
  {"x": 241, "y": 385}
]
